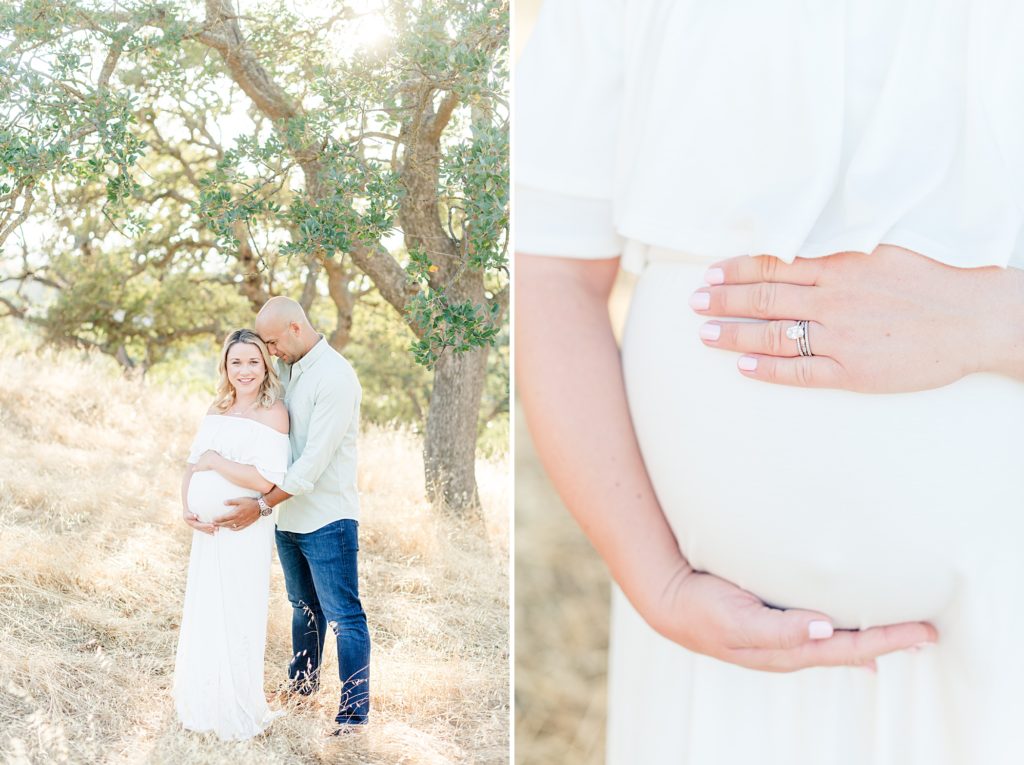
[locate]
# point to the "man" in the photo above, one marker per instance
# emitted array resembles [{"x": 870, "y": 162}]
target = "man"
[{"x": 317, "y": 531}]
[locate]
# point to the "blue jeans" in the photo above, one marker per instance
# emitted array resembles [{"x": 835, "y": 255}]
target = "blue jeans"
[{"x": 320, "y": 574}]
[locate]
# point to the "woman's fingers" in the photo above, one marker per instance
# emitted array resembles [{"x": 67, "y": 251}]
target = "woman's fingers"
[
  {"x": 775, "y": 640},
  {"x": 853, "y": 648},
  {"x": 763, "y": 337},
  {"x": 764, "y": 300},
  {"x": 766, "y": 628},
  {"x": 191, "y": 519},
  {"x": 764, "y": 268},
  {"x": 857, "y": 647},
  {"x": 733, "y": 625},
  {"x": 772, "y": 356},
  {"x": 802, "y": 371}
]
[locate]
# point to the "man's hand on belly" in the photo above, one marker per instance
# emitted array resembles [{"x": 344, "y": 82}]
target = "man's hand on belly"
[
  {"x": 888, "y": 322},
  {"x": 246, "y": 512}
]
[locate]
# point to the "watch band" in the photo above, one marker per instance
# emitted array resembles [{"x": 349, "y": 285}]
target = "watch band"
[{"x": 265, "y": 509}]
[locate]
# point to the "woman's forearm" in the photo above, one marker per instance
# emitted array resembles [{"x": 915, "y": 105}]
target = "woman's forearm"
[
  {"x": 569, "y": 380},
  {"x": 246, "y": 476},
  {"x": 1004, "y": 329}
]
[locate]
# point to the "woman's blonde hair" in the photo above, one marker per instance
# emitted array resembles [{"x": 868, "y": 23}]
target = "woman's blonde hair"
[{"x": 270, "y": 388}]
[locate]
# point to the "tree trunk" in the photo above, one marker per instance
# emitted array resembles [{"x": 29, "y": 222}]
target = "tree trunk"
[
  {"x": 344, "y": 302},
  {"x": 309, "y": 287},
  {"x": 252, "y": 286},
  {"x": 449, "y": 451}
]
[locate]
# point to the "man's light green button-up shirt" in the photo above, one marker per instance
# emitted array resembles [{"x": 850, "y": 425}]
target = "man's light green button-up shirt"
[{"x": 322, "y": 394}]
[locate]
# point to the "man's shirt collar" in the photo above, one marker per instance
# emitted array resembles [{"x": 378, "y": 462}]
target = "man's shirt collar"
[{"x": 312, "y": 355}]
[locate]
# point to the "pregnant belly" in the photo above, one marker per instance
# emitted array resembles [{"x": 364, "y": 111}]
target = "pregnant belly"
[
  {"x": 207, "y": 491},
  {"x": 871, "y": 508}
]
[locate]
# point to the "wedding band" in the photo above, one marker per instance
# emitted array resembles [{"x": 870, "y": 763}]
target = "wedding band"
[
  {"x": 800, "y": 332},
  {"x": 234, "y": 525}
]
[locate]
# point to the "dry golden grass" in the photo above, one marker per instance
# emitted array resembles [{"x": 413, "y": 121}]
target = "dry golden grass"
[
  {"x": 561, "y": 626},
  {"x": 93, "y": 561}
]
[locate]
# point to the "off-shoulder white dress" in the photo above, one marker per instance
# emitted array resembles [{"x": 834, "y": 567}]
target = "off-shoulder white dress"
[
  {"x": 218, "y": 674},
  {"x": 672, "y": 133}
]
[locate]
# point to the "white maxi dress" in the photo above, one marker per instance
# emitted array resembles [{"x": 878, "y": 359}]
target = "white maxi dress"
[
  {"x": 673, "y": 133},
  {"x": 218, "y": 673}
]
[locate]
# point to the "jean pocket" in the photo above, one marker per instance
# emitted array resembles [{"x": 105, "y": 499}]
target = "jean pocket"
[{"x": 348, "y": 535}]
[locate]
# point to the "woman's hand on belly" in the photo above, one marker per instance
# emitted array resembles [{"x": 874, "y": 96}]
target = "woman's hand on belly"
[
  {"x": 888, "y": 322},
  {"x": 191, "y": 519},
  {"x": 711, "y": 616},
  {"x": 208, "y": 460}
]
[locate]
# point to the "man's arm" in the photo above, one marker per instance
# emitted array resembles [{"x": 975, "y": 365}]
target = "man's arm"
[
  {"x": 333, "y": 411},
  {"x": 247, "y": 510},
  {"x": 276, "y": 496}
]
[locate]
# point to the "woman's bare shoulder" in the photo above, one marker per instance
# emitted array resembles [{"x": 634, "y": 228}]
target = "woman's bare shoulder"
[{"x": 276, "y": 416}]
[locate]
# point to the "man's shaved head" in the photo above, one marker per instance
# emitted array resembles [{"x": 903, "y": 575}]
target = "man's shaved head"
[
  {"x": 281, "y": 310},
  {"x": 285, "y": 328}
]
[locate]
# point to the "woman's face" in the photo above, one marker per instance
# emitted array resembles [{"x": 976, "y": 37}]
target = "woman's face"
[{"x": 245, "y": 368}]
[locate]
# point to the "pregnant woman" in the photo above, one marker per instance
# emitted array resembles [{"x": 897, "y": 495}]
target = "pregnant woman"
[
  {"x": 241, "y": 450},
  {"x": 861, "y": 519}
]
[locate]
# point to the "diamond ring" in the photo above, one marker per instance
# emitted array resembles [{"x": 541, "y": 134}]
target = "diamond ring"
[{"x": 799, "y": 332}]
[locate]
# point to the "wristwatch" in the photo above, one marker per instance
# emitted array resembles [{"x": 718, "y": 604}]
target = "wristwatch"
[{"x": 265, "y": 509}]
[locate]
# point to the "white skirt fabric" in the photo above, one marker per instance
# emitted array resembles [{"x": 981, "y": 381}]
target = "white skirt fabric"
[
  {"x": 873, "y": 509},
  {"x": 218, "y": 679},
  {"x": 218, "y": 672}
]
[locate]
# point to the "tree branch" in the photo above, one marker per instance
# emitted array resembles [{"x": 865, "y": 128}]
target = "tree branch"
[
  {"x": 388, "y": 276},
  {"x": 19, "y": 218},
  {"x": 223, "y": 34},
  {"x": 443, "y": 116}
]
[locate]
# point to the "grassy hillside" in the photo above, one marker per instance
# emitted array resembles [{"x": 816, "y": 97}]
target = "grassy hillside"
[
  {"x": 562, "y": 600},
  {"x": 92, "y": 575}
]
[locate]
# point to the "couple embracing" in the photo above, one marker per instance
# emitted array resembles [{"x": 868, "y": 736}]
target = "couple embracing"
[{"x": 274, "y": 460}]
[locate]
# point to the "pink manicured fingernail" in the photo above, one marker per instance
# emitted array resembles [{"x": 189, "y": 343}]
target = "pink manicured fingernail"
[
  {"x": 819, "y": 630},
  {"x": 714, "y": 276},
  {"x": 699, "y": 301},
  {"x": 870, "y": 668},
  {"x": 747, "y": 363},
  {"x": 710, "y": 331},
  {"x": 919, "y": 646}
]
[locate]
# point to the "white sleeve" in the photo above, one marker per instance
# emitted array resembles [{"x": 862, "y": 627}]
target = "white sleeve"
[
  {"x": 201, "y": 441},
  {"x": 568, "y": 87}
]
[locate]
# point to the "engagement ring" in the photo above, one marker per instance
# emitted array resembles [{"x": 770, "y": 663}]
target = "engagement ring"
[{"x": 799, "y": 332}]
